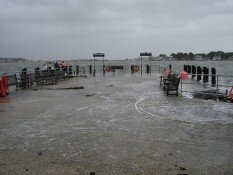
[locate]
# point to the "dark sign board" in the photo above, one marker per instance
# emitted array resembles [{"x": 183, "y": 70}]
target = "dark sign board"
[
  {"x": 146, "y": 54},
  {"x": 98, "y": 55},
  {"x": 117, "y": 67}
]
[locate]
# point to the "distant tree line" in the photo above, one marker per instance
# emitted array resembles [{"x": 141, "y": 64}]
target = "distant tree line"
[
  {"x": 13, "y": 59},
  {"x": 191, "y": 56},
  {"x": 210, "y": 55}
]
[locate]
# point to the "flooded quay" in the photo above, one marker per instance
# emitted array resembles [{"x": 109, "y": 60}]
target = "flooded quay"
[{"x": 115, "y": 125}]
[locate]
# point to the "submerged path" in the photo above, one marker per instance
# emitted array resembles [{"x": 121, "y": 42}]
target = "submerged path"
[{"x": 115, "y": 125}]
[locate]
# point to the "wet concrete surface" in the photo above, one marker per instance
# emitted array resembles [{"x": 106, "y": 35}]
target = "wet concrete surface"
[{"x": 115, "y": 125}]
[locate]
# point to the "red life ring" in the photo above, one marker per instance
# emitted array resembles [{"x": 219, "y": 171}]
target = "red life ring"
[
  {"x": 135, "y": 68},
  {"x": 109, "y": 69}
]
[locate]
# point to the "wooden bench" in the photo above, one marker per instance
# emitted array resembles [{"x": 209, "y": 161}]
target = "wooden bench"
[{"x": 171, "y": 84}]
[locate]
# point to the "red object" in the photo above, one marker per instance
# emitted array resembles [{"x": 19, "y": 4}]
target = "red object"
[
  {"x": 183, "y": 75},
  {"x": 166, "y": 72},
  {"x": 230, "y": 95},
  {"x": 135, "y": 68},
  {"x": 109, "y": 69},
  {"x": 3, "y": 86}
]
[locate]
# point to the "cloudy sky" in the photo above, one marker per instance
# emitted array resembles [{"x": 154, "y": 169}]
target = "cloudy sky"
[{"x": 75, "y": 29}]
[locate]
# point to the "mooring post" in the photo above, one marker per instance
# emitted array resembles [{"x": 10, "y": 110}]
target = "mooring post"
[
  {"x": 132, "y": 67},
  {"x": 205, "y": 74},
  {"x": 147, "y": 69},
  {"x": 170, "y": 66},
  {"x": 90, "y": 69},
  {"x": 199, "y": 73},
  {"x": 189, "y": 69},
  {"x": 185, "y": 68},
  {"x": 77, "y": 69},
  {"x": 213, "y": 76},
  {"x": 194, "y": 71}
]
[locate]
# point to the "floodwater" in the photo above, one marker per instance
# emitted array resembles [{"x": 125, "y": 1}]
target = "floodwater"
[{"x": 115, "y": 125}]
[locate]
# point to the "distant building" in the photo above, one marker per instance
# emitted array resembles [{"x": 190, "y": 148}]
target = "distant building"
[
  {"x": 217, "y": 58},
  {"x": 230, "y": 58},
  {"x": 198, "y": 57}
]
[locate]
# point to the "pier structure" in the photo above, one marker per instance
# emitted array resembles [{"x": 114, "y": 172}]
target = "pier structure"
[{"x": 114, "y": 125}]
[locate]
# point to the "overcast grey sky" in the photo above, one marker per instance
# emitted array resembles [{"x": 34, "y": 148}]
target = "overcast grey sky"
[{"x": 72, "y": 29}]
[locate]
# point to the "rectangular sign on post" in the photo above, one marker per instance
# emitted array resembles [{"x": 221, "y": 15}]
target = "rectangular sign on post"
[
  {"x": 98, "y": 55},
  {"x": 146, "y": 54}
]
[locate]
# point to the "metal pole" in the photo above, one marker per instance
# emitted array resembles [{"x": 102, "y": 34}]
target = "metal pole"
[
  {"x": 150, "y": 65},
  {"x": 181, "y": 85},
  {"x": 103, "y": 65},
  {"x": 217, "y": 82},
  {"x": 94, "y": 68},
  {"x": 141, "y": 65}
]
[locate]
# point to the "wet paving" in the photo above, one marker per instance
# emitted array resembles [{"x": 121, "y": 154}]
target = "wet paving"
[{"x": 115, "y": 125}]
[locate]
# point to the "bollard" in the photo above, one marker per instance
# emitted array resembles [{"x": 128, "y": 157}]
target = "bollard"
[
  {"x": 170, "y": 66},
  {"x": 199, "y": 73},
  {"x": 213, "y": 76},
  {"x": 147, "y": 69},
  {"x": 185, "y": 68},
  {"x": 132, "y": 71},
  {"x": 194, "y": 71},
  {"x": 77, "y": 70},
  {"x": 90, "y": 69},
  {"x": 189, "y": 69},
  {"x": 104, "y": 70},
  {"x": 205, "y": 75}
]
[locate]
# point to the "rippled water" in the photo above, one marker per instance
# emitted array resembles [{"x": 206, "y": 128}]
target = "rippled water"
[{"x": 222, "y": 67}]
